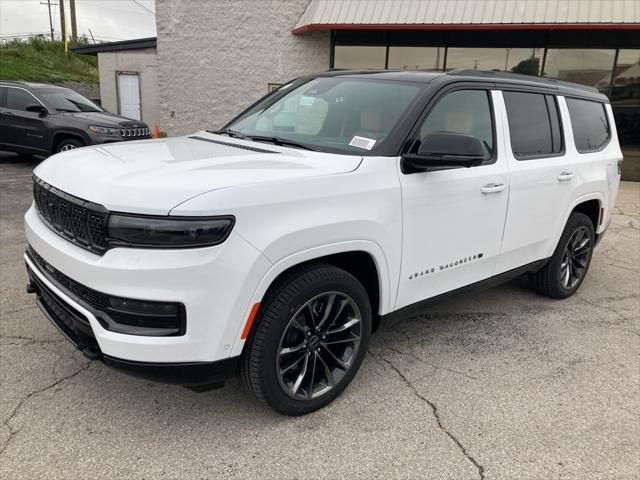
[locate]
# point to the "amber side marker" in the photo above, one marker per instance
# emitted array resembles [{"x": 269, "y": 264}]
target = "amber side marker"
[{"x": 247, "y": 326}]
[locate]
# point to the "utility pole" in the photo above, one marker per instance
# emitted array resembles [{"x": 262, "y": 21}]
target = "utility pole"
[
  {"x": 63, "y": 25},
  {"x": 74, "y": 28},
  {"x": 48, "y": 4}
]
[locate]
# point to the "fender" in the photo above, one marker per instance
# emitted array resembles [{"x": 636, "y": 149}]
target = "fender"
[
  {"x": 584, "y": 198},
  {"x": 284, "y": 264},
  {"x": 67, "y": 131}
]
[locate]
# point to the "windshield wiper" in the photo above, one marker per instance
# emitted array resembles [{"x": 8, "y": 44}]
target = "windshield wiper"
[
  {"x": 230, "y": 132},
  {"x": 280, "y": 141},
  {"x": 261, "y": 138}
]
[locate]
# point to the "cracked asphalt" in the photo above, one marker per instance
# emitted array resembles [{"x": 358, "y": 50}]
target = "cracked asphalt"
[{"x": 503, "y": 384}]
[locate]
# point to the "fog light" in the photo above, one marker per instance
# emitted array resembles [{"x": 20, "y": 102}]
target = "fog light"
[{"x": 147, "y": 318}]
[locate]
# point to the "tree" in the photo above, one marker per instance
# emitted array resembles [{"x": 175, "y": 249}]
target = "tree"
[{"x": 529, "y": 66}]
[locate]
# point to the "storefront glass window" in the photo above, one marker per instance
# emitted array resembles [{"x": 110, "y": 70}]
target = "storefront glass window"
[
  {"x": 356, "y": 57},
  {"x": 625, "y": 100},
  {"x": 517, "y": 60},
  {"x": 591, "y": 67},
  {"x": 416, "y": 58}
]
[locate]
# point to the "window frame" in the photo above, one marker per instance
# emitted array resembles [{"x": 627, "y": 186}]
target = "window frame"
[
  {"x": 412, "y": 139},
  {"x": 606, "y": 114},
  {"x": 6, "y": 99},
  {"x": 545, "y": 94}
]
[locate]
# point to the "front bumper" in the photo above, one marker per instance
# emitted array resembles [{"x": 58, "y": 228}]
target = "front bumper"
[
  {"x": 215, "y": 285},
  {"x": 76, "y": 328}
]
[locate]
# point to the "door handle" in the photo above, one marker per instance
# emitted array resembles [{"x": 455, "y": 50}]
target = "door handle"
[
  {"x": 8, "y": 114},
  {"x": 492, "y": 188},
  {"x": 564, "y": 176}
]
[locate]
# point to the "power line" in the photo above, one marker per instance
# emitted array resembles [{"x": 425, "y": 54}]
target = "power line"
[{"x": 140, "y": 5}]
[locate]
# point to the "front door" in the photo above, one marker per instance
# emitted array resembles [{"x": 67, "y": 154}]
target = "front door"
[
  {"x": 129, "y": 95},
  {"x": 453, "y": 219}
]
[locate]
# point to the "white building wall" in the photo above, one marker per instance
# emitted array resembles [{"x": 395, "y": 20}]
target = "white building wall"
[
  {"x": 144, "y": 62},
  {"x": 217, "y": 57}
]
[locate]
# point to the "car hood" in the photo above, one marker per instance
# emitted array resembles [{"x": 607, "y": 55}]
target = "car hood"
[
  {"x": 105, "y": 119},
  {"x": 153, "y": 176}
]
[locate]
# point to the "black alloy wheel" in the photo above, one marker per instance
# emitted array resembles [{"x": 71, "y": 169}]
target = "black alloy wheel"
[{"x": 308, "y": 339}]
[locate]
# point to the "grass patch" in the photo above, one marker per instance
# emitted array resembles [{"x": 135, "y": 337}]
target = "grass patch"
[{"x": 39, "y": 60}]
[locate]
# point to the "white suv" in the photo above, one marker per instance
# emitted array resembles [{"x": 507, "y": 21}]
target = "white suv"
[{"x": 277, "y": 245}]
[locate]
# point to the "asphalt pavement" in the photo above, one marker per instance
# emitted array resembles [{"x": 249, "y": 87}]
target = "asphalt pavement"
[{"x": 503, "y": 384}]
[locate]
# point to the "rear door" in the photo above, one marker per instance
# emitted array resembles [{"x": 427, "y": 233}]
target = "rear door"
[
  {"x": 129, "y": 95},
  {"x": 543, "y": 175},
  {"x": 21, "y": 128},
  {"x": 453, "y": 219}
]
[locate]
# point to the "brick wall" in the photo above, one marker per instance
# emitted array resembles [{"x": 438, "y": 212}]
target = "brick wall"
[{"x": 216, "y": 57}]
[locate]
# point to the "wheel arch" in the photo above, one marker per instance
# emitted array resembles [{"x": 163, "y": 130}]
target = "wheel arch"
[
  {"x": 60, "y": 135},
  {"x": 591, "y": 205},
  {"x": 363, "y": 259}
]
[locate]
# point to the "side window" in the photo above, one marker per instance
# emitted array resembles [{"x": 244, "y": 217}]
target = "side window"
[
  {"x": 589, "y": 124},
  {"x": 463, "y": 111},
  {"x": 534, "y": 124},
  {"x": 3, "y": 103},
  {"x": 18, "y": 99}
]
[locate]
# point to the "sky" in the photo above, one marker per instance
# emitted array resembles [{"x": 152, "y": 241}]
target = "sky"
[{"x": 108, "y": 20}]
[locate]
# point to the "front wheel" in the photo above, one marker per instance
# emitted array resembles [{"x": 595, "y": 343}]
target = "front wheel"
[
  {"x": 567, "y": 268},
  {"x": 309, "y": 340},
  {"x": 69, "y": 144}
]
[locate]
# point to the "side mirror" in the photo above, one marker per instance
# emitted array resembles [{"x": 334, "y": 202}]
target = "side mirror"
[
  {"x": 444, "y": 149},
  {"x": 36, "y": 107}
]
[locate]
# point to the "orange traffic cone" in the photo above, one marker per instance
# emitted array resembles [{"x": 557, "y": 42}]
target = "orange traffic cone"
[{"x": 156, "y": 132}]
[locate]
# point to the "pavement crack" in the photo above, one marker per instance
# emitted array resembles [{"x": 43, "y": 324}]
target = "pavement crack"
[
  {"x": 434, "y": 409},
  {"x": 601, "y": 307},
  {"x": 7, "y": 422},
  {"x": 435, "y": 367}
]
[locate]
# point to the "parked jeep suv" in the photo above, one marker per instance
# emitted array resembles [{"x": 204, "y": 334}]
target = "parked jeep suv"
[
  {"x": 38, "y": 119},
  {"x": 278, "y": 244}
]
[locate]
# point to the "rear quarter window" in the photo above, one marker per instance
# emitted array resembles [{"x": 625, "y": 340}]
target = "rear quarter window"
[{"x": 589, "y": 123}]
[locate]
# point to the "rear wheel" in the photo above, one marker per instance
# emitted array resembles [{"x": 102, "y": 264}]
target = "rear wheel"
[
  {"x": 69, "y": 144},
  {"x": 567, "y": 268},
  {"x": 309, "y": 340}
]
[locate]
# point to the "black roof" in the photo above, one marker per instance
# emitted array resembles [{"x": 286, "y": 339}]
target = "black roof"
[
  {"x": 149, "y": 42},
  {"x": 501, "y": 79}
]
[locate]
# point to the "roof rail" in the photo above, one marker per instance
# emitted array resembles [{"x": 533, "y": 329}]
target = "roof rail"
[{"x": 519, "y": 77}]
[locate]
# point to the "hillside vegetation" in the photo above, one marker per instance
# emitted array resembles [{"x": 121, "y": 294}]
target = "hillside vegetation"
[{"x": 38, "y": 60}]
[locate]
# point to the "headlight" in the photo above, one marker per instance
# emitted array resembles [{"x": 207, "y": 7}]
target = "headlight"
[
  {"x": 104, "y": 130},
  {"x": 168, "y": 232}
]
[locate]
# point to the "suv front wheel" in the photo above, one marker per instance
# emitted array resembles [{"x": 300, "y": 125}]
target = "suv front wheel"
[
  {"x": 69, "y": 144},
  {"x": 309, "y": 340}
]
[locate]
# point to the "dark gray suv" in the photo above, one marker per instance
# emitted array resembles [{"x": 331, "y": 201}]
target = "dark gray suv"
[{"x": 41, "y": 119}]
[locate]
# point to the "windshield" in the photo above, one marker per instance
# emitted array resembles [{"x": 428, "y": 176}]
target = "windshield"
[
  {"x": 339, "y": 114},
  {"x": 64, "y": 100}
]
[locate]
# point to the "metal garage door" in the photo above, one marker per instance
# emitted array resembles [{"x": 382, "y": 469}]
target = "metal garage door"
[{"x": 129, "y": 95}]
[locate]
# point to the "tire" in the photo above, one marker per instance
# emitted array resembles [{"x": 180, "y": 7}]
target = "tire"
[
  {"x": 556, "y": 279},
  {"x": 69, "y": 144},
  {"x": 285, "y": 323}
]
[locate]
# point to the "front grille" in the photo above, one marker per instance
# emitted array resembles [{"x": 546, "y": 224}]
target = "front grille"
[
  {"x": 82, "y": 222},
  {"x": 135, "y": 132}
]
